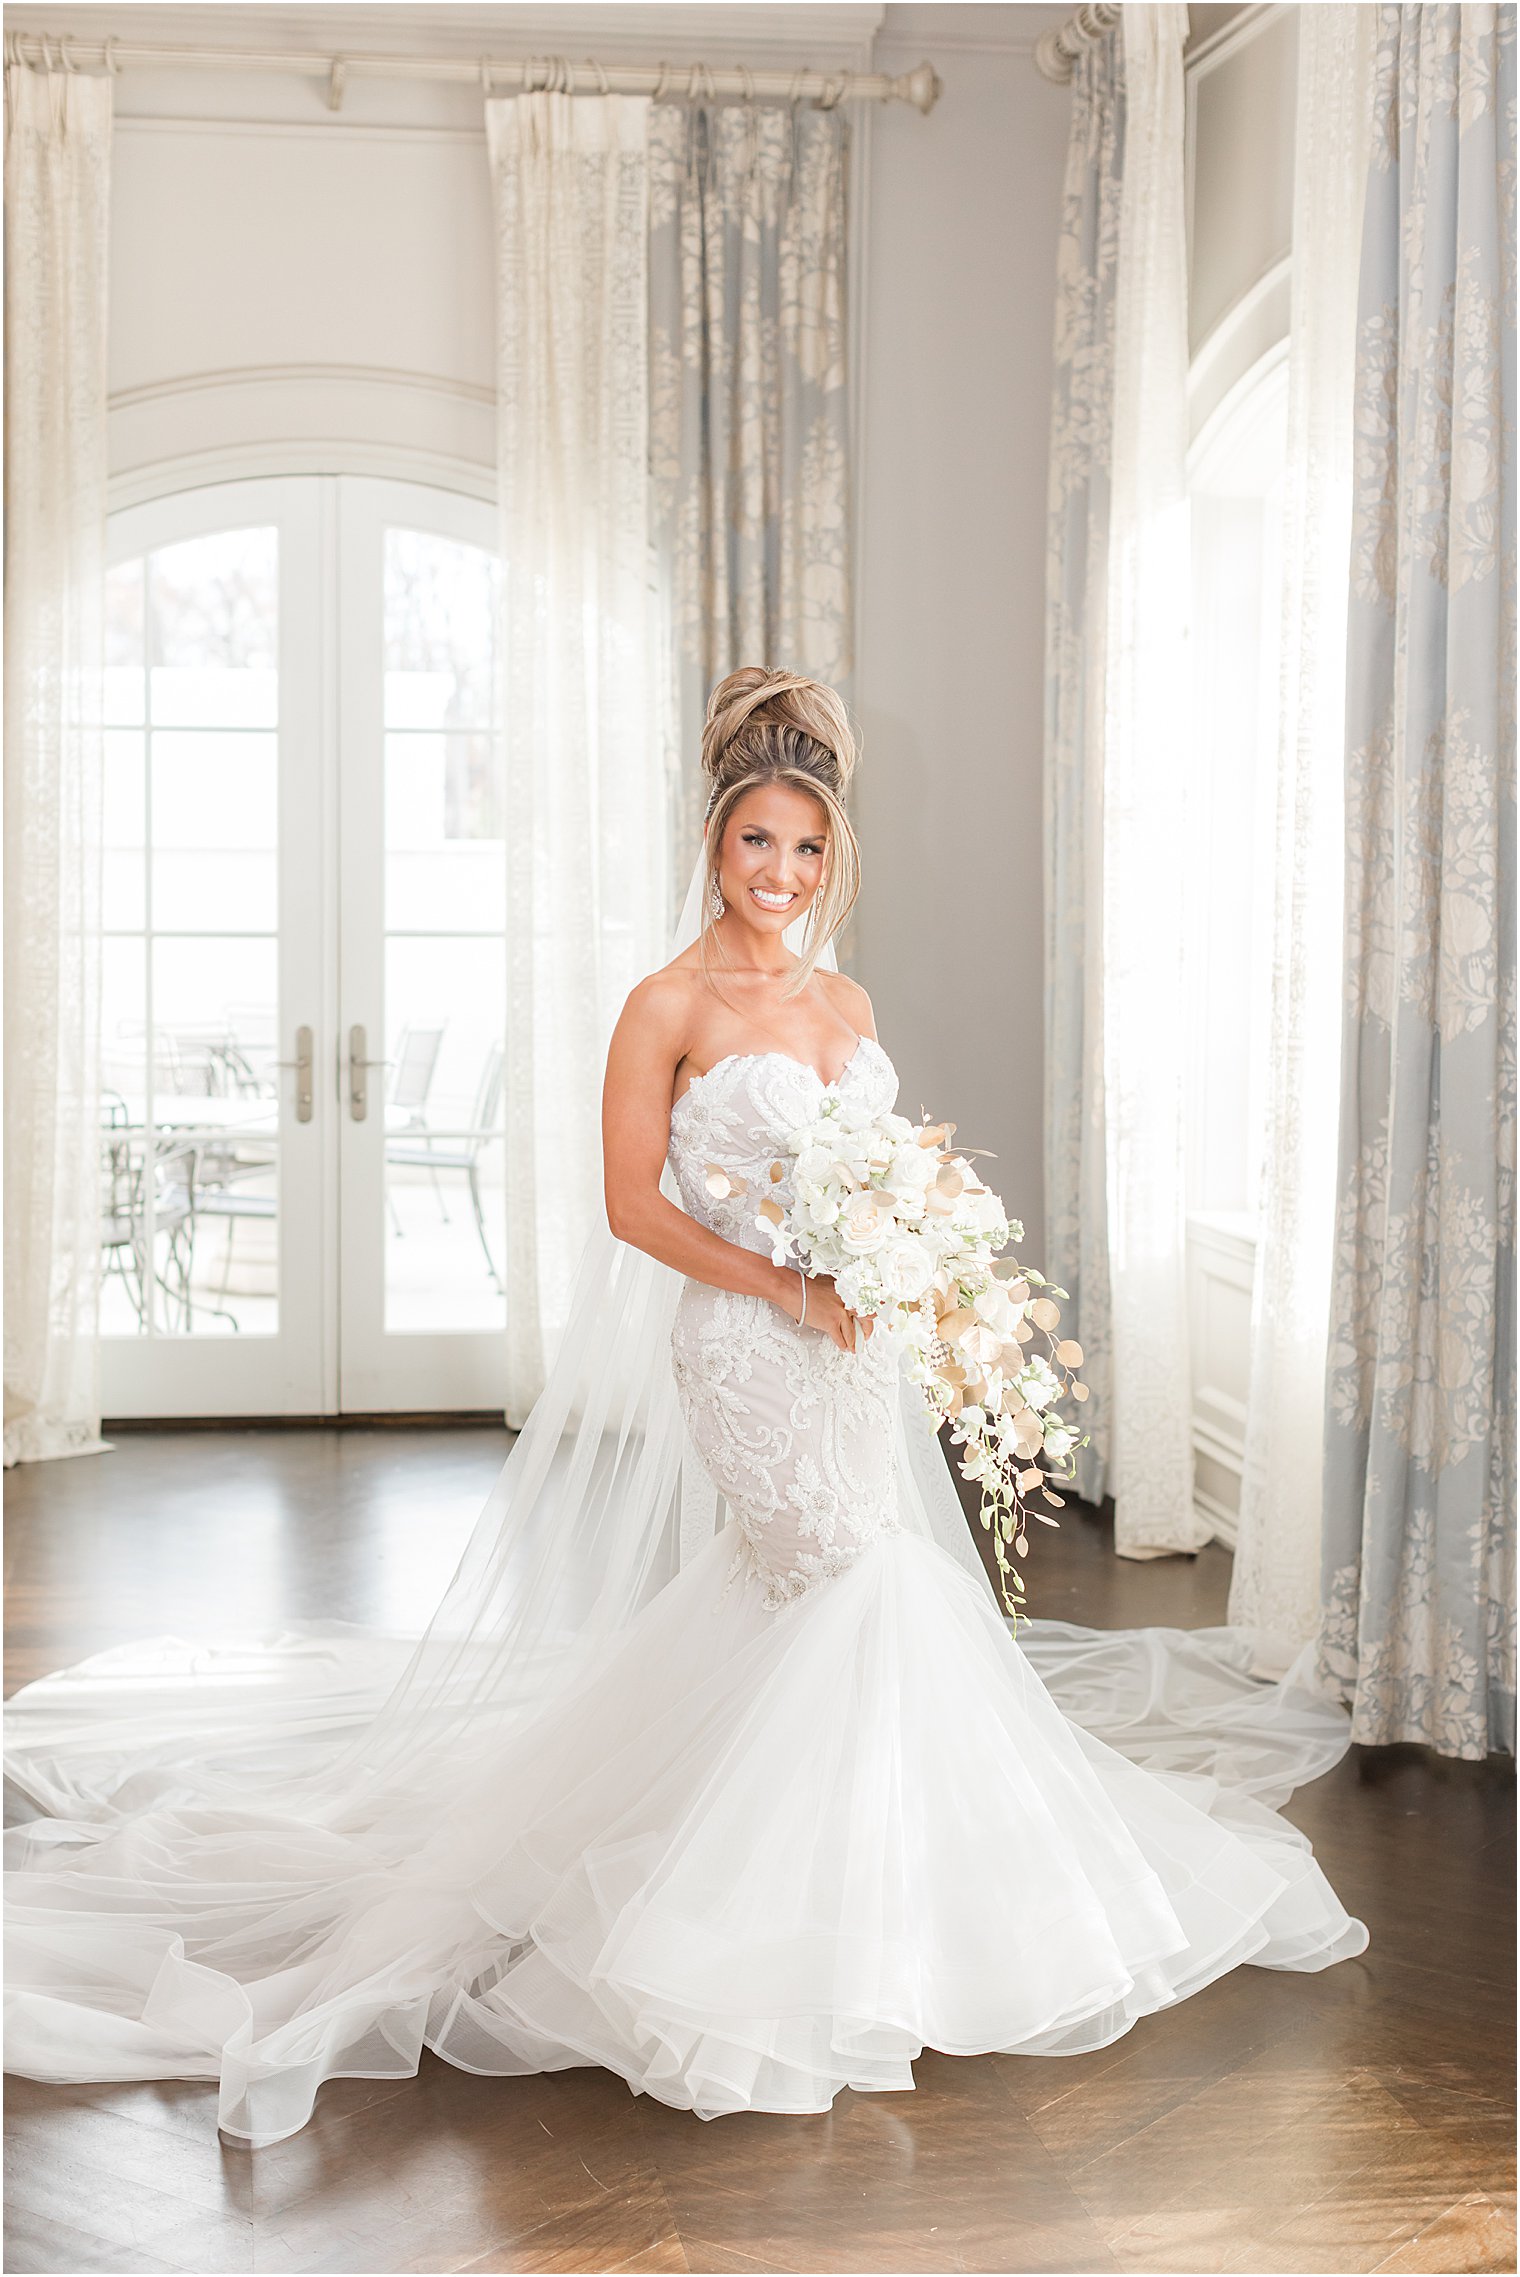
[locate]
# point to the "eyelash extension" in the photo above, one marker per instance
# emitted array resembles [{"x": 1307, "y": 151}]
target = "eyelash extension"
[{"x": 757, "y": 838}]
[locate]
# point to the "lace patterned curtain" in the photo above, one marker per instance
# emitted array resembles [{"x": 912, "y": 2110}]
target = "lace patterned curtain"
[
  {"x": 57, "y": 193},
  {"x": 1076, "y": 610},
  {"x": 1275, "y": 1584},
  {"x": 1419, "y": 1478},
  {"x": 748, "y": 404},
  {"x": 588, "y": 842},
  {"x": 1116, "y": 838},
  {"x": 1145, "y": 838}
]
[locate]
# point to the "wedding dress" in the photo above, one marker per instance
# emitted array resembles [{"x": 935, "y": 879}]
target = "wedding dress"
[{"x": 746, "y": 1800}]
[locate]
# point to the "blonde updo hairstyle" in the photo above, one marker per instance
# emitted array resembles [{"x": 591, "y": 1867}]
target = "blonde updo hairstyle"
[{"x": 767, "y": 726}]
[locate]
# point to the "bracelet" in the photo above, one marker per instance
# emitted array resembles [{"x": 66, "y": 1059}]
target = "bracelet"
[{"x": 802, "y": 1277}]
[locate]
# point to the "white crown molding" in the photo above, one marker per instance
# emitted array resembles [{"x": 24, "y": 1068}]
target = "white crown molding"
[
  {"x": 829, "y": 29},
  {"x": 977, "y": 29}
]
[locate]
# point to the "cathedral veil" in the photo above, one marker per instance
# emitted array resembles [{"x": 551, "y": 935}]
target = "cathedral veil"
[
  {"x": 286, "y": 1832},
  {"x": 600, "y": 1500}
]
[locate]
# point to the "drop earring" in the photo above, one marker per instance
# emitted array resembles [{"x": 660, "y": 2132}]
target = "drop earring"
[{"x": 715, "y": 901}]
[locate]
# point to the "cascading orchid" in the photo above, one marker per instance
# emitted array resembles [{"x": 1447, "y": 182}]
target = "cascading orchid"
[{"x": 915, "y": 1241}]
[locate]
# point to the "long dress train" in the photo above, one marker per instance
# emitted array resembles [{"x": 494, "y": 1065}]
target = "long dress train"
[{"x": 810, "y": 1810}]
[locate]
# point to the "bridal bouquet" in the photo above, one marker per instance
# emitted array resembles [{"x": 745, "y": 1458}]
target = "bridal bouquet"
[{"x": 913, "y": 1240}]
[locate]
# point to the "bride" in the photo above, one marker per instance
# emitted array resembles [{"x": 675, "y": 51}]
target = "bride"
[{"x": 718, "y": 1764}]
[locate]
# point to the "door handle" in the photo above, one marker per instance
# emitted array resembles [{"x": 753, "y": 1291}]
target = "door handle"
[
  {"x": 358, "y": 1072},
  {"x": 302, "y": 1063}
]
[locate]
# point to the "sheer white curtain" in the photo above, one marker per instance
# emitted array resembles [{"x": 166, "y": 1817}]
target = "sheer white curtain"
[
  {"x": 1276, "y": 1583},
  {"x": 587, "y": 821},
  {"x": 57, "y": 193},
  {"x": 1145, "y": 839}
]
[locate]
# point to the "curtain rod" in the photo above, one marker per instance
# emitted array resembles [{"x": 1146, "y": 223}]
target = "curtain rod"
[
  {"x": 696, "y": 82},
  {"x": 1055, "y": 52}
]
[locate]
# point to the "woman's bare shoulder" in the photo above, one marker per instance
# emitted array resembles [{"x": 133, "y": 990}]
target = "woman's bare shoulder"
[
  {"x": 851, "y": 1000},
  {"x": 660, "y": 1006}
]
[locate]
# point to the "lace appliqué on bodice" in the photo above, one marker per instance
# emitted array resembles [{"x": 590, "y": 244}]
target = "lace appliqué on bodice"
[{"x": 796, "y": 1435}]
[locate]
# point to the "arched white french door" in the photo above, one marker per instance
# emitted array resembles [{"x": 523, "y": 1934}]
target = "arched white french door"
[{"x": 303, "y": 1015}]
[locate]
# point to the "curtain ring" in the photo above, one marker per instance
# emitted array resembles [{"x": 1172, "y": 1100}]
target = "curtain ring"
[
  {"x": 113, "y": 61},
  {"x": 564, "y": 71},
  {"x": 833, "y": 91},
  {"x": 485, "y": 77},
  {"x": 601, "y": 76},
  {"x": 748, "y": 78},
  {"x": 660, "y": 79}
]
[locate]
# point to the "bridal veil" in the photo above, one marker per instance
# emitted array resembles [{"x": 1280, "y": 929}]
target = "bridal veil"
[{"x": 283, "y": 1794}]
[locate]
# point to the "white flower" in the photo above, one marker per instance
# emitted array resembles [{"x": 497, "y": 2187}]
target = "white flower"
[
  {"x": 913, "y": 1170},
  {"x": 863, "y": 1223},
  {"x": 906, "y": 1271},
  {"x": 1038, "y": 1383}
]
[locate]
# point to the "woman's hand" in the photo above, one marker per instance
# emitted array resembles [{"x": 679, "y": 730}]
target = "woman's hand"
[{"x": 827, "y": 1312}]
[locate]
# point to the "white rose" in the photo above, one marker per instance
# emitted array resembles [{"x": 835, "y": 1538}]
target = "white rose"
[
  {"x": 906, "y": 1271},
  {"x": 914, "y": 1169},
  {"x": 862, "y": 1224}
]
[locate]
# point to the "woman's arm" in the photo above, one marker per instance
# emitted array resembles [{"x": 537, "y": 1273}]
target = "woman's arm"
[{"x": 647, "y": 1046}]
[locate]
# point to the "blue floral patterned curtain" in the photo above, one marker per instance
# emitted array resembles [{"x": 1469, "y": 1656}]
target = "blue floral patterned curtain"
[
  {"x": 1419, "y": 1480},
  {"x": 748, "y": 403},
  {"x": 1076, "y": 1237}
]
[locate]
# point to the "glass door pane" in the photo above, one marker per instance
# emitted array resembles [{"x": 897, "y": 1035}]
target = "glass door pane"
[
  {"x": 445, "y": 950},
  {"x": 208, "y": 910},
  {"x": 423, "y": 952}
]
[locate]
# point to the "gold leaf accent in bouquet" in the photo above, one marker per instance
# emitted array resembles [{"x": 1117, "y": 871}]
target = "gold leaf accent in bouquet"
[{"x": 972, "y": 1324}]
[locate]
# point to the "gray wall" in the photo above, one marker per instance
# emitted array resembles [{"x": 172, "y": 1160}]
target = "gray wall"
[{"x": 959, "y": 285}]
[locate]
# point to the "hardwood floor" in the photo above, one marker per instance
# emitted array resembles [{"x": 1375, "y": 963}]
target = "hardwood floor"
[{"x": 1358, "y": 2120}]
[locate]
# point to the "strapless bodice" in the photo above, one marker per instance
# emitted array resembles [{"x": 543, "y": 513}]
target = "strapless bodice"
[{"x": 737, "y": 1117}]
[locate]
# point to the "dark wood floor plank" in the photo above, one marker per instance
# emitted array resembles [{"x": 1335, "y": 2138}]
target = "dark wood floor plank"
[
  {"x": 1475, "y": 2234},
  {"x": 1360, "y": 2119}
]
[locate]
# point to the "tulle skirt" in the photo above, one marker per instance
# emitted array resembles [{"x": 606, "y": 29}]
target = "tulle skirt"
[{"x": 751, "y": 1858}]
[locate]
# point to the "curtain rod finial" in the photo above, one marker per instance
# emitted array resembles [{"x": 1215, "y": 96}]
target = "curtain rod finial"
[
  {"x": 921, "y": 87},
  {"x": 1051, "y": 59}
]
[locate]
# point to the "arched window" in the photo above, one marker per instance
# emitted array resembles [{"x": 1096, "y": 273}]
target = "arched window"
[{"x": 1236, "y": 472}]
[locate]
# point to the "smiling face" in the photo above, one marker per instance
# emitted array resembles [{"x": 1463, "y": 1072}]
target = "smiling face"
[{"x": 774, "y": 851}]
